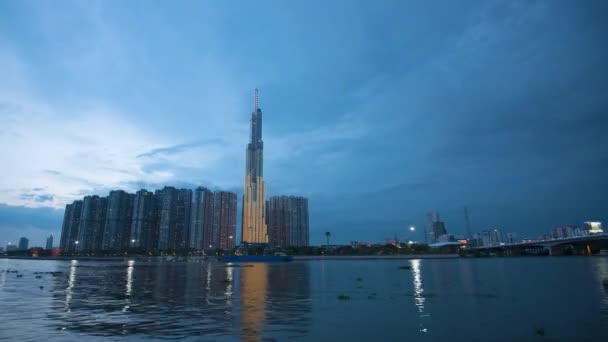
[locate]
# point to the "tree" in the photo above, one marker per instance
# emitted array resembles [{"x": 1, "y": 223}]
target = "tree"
[{"x": 327, "y": 236}]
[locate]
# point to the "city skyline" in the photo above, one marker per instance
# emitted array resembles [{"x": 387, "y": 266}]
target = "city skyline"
[{"x": 460, "y": 108}]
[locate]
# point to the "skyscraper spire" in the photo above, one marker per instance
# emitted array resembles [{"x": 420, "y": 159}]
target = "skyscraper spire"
[{"x": 254, "y": 227}]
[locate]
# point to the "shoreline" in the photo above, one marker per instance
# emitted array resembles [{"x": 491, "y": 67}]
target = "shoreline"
[
  {"x": 295, "y": 257},
  {"x": 375, "y": 257}
]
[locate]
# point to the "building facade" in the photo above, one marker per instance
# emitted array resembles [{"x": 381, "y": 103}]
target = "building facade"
[
  {"x": 174, "y": 223},
  {"x": 119, "y": 215},
  {"x": 201, "y": 219},
  {"x": 288, "y": 221},
  {"x": 49, "y": 242},
  {"x": 145, "y": 221},
  {"x": 24, "y": 244},
  {"x": 92, "y": 223},
  {"x": 71, "y": 226},
  {"x": 254, "y": 228},
  {"x": 224, "y": 220}
]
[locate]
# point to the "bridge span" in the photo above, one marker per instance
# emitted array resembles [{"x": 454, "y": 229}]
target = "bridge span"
[{"x": 581, "y": 245}]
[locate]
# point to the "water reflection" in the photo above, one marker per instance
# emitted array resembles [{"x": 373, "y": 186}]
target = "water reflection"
[
  {"x": 253, "y": 285},
  {"x": 418, "y": 292},
  {"x": 156, "y": 298},
  {"x": 181, "y": 299}
]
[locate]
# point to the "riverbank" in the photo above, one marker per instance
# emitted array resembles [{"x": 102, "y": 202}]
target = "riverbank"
[
  {"x": 375, "y": 257},
  {"x": 295, "y": 257}
]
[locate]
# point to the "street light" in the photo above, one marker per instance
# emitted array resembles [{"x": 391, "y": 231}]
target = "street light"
[
  {"x": 76, "y": 242},
  {"x": 230, "y": 237},
  {"x": 412, "y": 228},
  {"x": 133, "y": 241}
]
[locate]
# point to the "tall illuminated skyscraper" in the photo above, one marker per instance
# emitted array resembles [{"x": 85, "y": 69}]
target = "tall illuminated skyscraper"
[{"x": 254, "y": 229}]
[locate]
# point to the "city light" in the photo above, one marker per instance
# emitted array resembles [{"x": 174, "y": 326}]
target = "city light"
[
  {"x": 76, "y": 242},
  {"x": 412, "y": 228}
]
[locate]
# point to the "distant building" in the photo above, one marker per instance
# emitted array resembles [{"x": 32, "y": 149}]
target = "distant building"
[
  {"x": 563, "y": 232},
  {"x": 145, "y": 222},
  {"x": 594, "y": 227},
  {"x": 71, "y": 226},
  {"x": 1, "y": 249},
  {"x": 24, "y": 244},
  {"x": 446, "y": 238},
  {"x": 288, "y": 221},
  {"x": 490, "y": 237},
  {"x": 92, "y": 222},
  {"x": 511, "y": 238},
  {"x": 224, "y": 220},
  {"x": 201, "y": 219},
  {"x": 11, "y": 248},
  {"x": 437, "y": 227},
  {"x": 119, "y": 216},
  {"x": 174, "y": 224},
  {"x": 49, "y": 242}
]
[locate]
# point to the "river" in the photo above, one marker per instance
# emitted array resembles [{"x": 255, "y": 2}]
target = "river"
[{"x": 494, "y": 299}]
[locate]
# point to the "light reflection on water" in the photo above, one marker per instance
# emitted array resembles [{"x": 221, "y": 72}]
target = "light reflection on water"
[
  {"x": 418, "y": 292},
  {"x": 143, "y": 299}
]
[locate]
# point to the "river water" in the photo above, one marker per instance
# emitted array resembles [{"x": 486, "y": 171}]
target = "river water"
[{"x": 497, "y": 299}]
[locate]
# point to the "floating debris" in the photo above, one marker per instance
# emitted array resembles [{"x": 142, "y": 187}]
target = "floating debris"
[
  {"x": 343, "y": 297},
  {"x": 42, "y": 287},
  {"x": 359, "y": 279},
  {"x": 19, "y": 275},
  {"x": 38, "y": 276},
  {"x": 539, "y": 331},
  {"x": 405, "y": 267}
]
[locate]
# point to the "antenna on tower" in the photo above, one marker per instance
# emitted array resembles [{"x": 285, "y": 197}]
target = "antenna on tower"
[
  {"x": 467, "y": 222},
  {"x": 256, "y": 96}
]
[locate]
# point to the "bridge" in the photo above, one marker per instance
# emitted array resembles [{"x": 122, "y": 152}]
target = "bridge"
[{"x": 583, "y": 245}]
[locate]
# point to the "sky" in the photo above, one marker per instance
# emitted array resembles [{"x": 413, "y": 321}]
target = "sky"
[{"x": 377, "y": 111}]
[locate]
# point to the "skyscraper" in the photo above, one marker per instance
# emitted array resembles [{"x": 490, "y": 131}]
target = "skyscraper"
[
  {"x": 71, "y": 226},
  {"x": 49, "y": 242},
  {"x": 254, "y": 229},
  {"x": 437, "y": 227},
  {"x": 119, "y": 214},
  {"x": 224, "y": 219},
  {"x": 92, "y": 222},
  {"x": 144, "y": 227},
  {"x": 174, "y": 225},
  {"x": 288, "y": 221},
  {"x": 201, "y": 218},
  {"x": 24, "y": 243}
]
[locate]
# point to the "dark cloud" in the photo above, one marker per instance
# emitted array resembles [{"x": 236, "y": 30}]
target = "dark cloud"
[{"x": 176, "y": 148}]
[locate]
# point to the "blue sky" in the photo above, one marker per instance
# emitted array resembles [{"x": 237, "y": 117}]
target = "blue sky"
[{"x": 378, "y": 111}]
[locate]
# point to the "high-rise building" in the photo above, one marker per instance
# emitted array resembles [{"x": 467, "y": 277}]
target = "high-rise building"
[
  {"x": 437, "y": 227},
  {"x": 594, "y": 227},
  {"x": 201, "y": 219},
  {"x": 24, "y": 243},
  {"x": 71, "y": 226},
  {"x": 174, "y": 225},
  {"x": 288, "y": 221},
  {"x": 254, "y": 229},
  {"x": 224, "y": 220},
  {"x": 144, "y": 226},
  {"x": 119, "y": 215},
  {"x": 49, "y": 243},
  {"x": 92, "y": 222}
]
